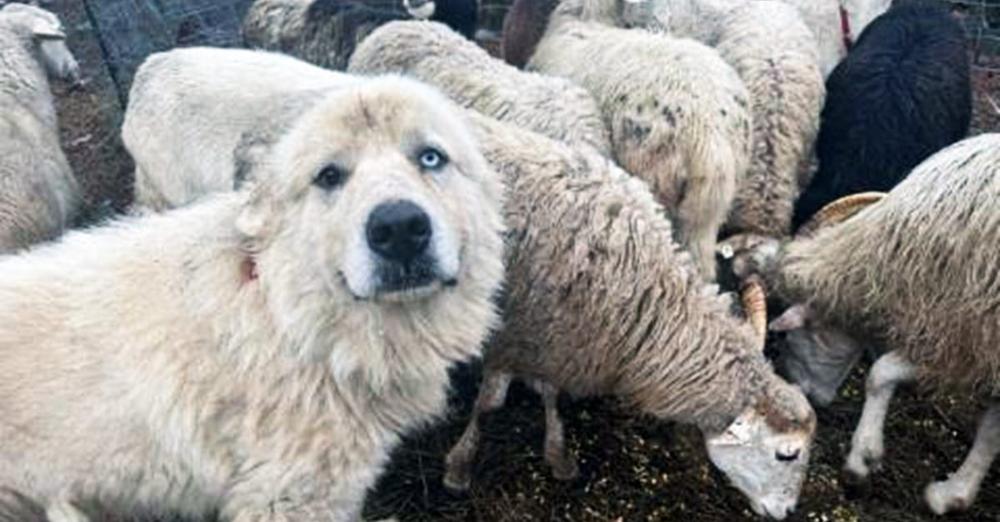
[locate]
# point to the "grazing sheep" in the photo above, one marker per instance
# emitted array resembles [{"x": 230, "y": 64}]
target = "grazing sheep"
[
  {"x": 775, "y": 55},
  {"x": 902, "y": 94},
  {"x": 586, "y": 238},
  {"x": 678, "y": 114},
  {"x": 325, "y": 32},
  {"x": 189, "y": 109},
  {"x": 39, "y": 196},
  {"x": 915, "y": 276},
  {"x": 260, "y": 352},
  {"x": 437, "y": 55}
]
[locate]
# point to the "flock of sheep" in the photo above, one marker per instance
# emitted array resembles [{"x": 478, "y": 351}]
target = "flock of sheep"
[{"x": 314, "y": 245}]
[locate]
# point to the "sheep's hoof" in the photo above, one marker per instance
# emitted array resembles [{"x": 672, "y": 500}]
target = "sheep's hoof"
[
  {"x": 565, "y": 469},
  {"x": 863, "y": 462},
  {"x": 945, "y": 496}
]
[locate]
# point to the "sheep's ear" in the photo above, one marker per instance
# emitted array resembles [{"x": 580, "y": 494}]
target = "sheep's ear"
[
  {"x": 45, "y": 30},
  {"x": 793, "y": 319}
]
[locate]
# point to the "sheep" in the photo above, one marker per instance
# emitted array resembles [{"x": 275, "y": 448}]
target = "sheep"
[
  {"x": 523, "y": 26},
  {"x": 679, "y": 115},
  {"x": 912, "y": 275},
  {"x": 39, "y": 196},
  {"x": 435, "y": 54},
  {"x": 836, "y": 25},
  {"x": 189, "y": 109},
  {"x": 775, "y": 55},
  {"x": 833, "y": 23},
  {"x": 902, "y": 94},
  {"x": 259, "y": 352},
  {"x": 585, "y": 238},
  {"x": 325, "y": 32}
]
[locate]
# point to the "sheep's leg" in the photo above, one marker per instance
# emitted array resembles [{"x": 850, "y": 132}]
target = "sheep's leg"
[
  {"x": 62, "y": 510},
  {"x": 458, "y": 463},
  {"x": 867, "y": 444},
  {"x": 961, "y": 488},
  {"x": 562, "y": 463}
]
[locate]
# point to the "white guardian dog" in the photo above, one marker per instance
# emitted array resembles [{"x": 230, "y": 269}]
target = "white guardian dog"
[{"x": 257, "y": 354}]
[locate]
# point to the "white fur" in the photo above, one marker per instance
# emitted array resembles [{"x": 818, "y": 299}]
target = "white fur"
[
  {"x": 431, "y": 52},
  {"x": 188, "y": 109},
  {"x": 422, "y": 12},
  {"x": 678, "y": 114},
  {"x": 202, "y": 360},
  {"x": 39, "y": 196},
  {"x": 702, "y": 19}
]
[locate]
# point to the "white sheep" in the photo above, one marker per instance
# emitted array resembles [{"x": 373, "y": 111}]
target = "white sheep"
[
  {"x": 189, "y": 109},
  {"x": 678, "y": 114},
  {"x": 257, "y": 354},
  {"x": 835, "y": 24},
  {"x": 914, "y": 276},
  {"x": 39, "y": 197},
  {"x": 435, "y": 54},
  {"x": 775, "y": 55},
  {"x": 586, "y": 239}
]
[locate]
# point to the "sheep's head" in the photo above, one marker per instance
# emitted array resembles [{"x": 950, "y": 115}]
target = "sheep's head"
[
  {"x": 765, "y": 451},
  {"x": 382, "y": 186},
  {"x": 420, "y": 9},
  {"x": 49, "y": 37},
  {"x": 637, "y": 13},
  {"x": 818, "y": 357},
  {"x": 750, "y": 254}
]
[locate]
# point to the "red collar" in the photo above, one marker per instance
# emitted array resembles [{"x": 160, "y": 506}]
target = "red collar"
[
  {"x": 248, "y": 270},
  {"x": 845, "y": 28}
]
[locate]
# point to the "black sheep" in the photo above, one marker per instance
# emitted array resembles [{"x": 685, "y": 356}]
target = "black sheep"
[{"x": 901, "y": 94}]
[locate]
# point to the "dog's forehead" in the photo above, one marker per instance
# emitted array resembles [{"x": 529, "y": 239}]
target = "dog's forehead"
[{"x": 389, "y": 114}]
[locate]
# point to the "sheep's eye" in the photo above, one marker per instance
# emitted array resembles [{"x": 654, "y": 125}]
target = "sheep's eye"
[
  {"x": 786, "y": 457},
  {"x": 329, "y": 178},
  {"x": 432, "y": 159}
]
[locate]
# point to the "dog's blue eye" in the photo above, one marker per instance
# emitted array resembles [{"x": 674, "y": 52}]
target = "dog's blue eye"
[
  {"x": 330, "y": 178},
  {"x": 432, "y": 159}
]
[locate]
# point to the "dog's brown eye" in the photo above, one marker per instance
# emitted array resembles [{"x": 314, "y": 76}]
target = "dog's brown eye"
[
  {"x": 432, "y": 159},
  {"x": 330, "y": 178}
]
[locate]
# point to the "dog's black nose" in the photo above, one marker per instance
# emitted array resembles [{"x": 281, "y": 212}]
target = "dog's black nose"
[{"x": 399, "y": 231}]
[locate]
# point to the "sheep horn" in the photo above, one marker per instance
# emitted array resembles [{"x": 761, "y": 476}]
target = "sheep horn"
[
  {"x": 839, "y": 211},
  {"x": 755, "y": 306}
]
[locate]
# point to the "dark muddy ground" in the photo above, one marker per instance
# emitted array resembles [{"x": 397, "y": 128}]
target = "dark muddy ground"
[{"x": 632, "y": 468}]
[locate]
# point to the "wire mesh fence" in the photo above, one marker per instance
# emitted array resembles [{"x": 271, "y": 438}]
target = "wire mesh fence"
[{"x": 982, "y": 24}]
